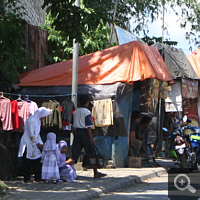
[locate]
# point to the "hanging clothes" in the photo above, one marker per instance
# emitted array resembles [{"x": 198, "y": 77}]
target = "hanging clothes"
[
  {"x": 15, "y": 115},
  {"x": 23, "y": 113},
  {"x": 67, "y": 110},
  {"x": 117, "y": 129},
  {"x": 54, "y": 119},
  {"x": 5, "y": 114},
  {"x": 173, "y": 102},
  {"x": 32, "y": 107},
  {"x": 102, "y": 112}
]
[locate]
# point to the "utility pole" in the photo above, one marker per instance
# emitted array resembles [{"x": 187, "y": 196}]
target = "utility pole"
[
  {"x": 75, "y": 66},
  {"x": 163, "y": 23},
  {"x": 115, "y": 11}
]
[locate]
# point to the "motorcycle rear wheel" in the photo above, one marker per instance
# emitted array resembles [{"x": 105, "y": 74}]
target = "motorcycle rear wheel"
[{"x": 183, "y": 163}]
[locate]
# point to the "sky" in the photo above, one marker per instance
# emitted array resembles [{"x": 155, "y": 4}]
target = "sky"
[{"x": 175, "y": 33}]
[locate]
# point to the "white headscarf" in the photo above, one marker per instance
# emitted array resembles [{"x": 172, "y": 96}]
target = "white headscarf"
[
  {"x": 50, "y": 143},
  {"x": 39, "y": 113}
]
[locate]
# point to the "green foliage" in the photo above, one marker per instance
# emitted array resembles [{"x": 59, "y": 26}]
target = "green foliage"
[
  {"x": 75, "y": 21},
  {"x": 153, "y": 40},
  {"x": 60, "y": 47},
  {"x": 12, "y": 42},
  {"x": 87, "y": 23}
]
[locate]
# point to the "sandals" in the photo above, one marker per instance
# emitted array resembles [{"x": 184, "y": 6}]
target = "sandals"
[{"x": 99, "y": 175}]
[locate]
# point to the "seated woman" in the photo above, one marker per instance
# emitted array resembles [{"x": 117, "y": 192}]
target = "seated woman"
[{"x": 66, "y": 168}]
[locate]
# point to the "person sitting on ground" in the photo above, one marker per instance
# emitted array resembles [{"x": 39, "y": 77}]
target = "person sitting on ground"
[
  {"x": 50, "y": 159},
  {"x": 134, "y": 144},
  {"x": 82, "y": 133},
  {"x": 66, "y": 168},
  {"x": 142, "y": 133}
]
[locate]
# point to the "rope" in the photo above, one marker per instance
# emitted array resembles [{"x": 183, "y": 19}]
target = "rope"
[{"x": 37, "y": 95}]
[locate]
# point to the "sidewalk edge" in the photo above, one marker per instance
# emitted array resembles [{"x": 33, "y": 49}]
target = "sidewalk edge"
[{"x": 126, "y": 181}]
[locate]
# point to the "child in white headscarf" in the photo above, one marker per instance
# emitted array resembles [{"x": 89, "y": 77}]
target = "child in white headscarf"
[
  {"x": 66, "y": 168},
  {"x": 31, "y": 144},
  {"x": 50, "y": 159}
]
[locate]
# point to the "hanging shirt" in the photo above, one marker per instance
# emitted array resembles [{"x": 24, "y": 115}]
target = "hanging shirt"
[
  {"x": 15, "y": 115},
  {"x": 67, "y": 109},
  {"x": 54, "y": 119},
  {"x": 5, "y": 114},
  {"x": 32, "y": 107},
  {"x": 24, "y": 114}
]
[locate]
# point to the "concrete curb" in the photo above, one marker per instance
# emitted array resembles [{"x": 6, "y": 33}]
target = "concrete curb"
[{"x": 127, "y": 181}]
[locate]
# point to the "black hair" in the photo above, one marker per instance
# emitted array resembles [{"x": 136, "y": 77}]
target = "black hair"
[
  {"x": 84, "y": 98},
  {"x": 135, "y": 114},
  {"x": 145, "y": 119}
]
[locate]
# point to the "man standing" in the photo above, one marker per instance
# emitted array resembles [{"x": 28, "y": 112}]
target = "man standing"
[{"x": 82, "y": 132}]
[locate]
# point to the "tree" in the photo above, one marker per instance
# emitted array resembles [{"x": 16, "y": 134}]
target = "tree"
[
  {"x": 12, "y": 44},
  {"x": 153, "y": 40},
  {"x": 73, "y": 22},
  {"x": 88, "y": 21},
  {"x": 60, "y": 48}
]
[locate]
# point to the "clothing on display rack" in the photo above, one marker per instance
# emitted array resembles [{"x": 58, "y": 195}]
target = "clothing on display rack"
[
  {"x": 15, "y": 114},
  {"x": 23, "y": 113},
  {"x": 117, "y": 129},
  {"x": 5, "y": 113},
  {"x": 102, "y": 113},
  {"x": 54, "y": 119},
  {"x": 67, "y": 109},
  {"x": 32, "y": 105}
]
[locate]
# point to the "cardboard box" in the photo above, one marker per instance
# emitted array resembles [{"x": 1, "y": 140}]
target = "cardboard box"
[{"x": 134, "y": 161}]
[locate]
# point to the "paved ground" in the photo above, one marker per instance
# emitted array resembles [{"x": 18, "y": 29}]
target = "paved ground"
[
  {"x": 85, "y": 187},
  {"x": 152, "y": 189}
]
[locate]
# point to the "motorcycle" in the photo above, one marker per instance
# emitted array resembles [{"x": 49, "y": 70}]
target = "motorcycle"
[
  {"x": 195, "y": 141},
  {"x": 181, "y": 149}
]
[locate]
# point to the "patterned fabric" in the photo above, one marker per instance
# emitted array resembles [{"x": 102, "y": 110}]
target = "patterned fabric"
[
  {"x": 50, "y": 158},
  {"x": 102, "y": 112},
  {"x": 50, "y": 162}
]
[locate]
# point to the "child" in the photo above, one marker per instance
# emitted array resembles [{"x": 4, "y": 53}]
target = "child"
[
  {"x": 50, "y": 159},
  {"x": 66, "y": 168}
]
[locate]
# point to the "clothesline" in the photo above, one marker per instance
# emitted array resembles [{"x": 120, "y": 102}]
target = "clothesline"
[{"x": 37, "y": 95}]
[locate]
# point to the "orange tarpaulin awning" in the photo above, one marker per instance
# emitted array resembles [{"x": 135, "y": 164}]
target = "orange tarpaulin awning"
[
  {"x": 194, "y": 59},
  {"x": 124, "y": 63}
]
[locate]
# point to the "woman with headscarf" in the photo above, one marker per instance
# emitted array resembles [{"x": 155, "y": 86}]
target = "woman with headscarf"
[
  {"x": 50, "y": 159},
  {"x": 31, "y": 144},
  {"x": 66, "y": 168}
]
